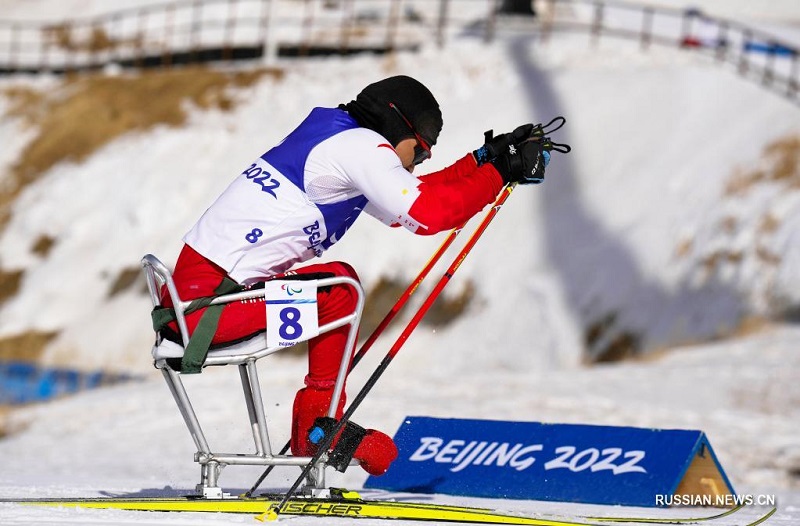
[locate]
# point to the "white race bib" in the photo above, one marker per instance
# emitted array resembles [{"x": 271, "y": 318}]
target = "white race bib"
[{"x": 291, "y": 312}]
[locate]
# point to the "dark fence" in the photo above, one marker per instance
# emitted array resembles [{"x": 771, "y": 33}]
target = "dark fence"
[
  {"x": 213, "y": 30},
  {"x": 161, "y": 34},
  {"x": 187, "y": 31},
  {"x": 755, "y": 54}
]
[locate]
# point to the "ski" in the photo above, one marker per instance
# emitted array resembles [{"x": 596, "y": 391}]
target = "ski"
[
  {"x": 351, "y": 508},
  {"x": 669, "y": 520},
  {"x": 766, "y": 516},
  {"x": 349, "y": 505}
]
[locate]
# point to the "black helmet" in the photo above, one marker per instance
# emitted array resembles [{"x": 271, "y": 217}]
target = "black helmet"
[{"x": 372, "y": 109}]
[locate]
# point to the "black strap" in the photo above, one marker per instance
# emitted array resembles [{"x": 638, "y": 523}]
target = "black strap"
[
  {"x": 349, "y": 440},
  {"x": 344, "y": 450}
]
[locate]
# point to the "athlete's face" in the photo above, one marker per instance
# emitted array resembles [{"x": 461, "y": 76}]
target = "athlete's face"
[{"x": 405, "y": 150}]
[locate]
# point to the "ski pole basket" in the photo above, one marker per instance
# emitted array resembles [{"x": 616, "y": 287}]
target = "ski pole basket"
[{"x": 245, "y": 356}]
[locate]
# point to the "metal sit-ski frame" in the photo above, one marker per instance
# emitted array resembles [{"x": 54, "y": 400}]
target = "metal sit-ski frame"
[{"x": 245, "y": 355}]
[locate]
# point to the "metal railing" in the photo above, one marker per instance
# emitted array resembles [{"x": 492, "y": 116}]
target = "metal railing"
[
  {"x": 755, "y": 54},
  {"x": 207, "y": 30},
  {"x": 186, "y": 31},
  {"x": 162, "y": 34}
]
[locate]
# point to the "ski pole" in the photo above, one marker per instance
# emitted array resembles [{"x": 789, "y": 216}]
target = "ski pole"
[
  {"x": 273, "y": 513},
  {"x": 539, "y": 131},
  {"x": 406, "y": 295},
  {"x": 399, "y": 304}
]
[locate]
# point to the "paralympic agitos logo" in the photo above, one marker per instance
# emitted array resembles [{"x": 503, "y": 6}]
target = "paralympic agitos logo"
[
  {"x": 291, "y": 290},
  {"x": 462, "y": 454}
]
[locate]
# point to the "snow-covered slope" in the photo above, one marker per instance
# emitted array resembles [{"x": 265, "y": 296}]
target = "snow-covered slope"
[
  {"x": 624, "y": 226},
  {"x": 600, "y": 238}
]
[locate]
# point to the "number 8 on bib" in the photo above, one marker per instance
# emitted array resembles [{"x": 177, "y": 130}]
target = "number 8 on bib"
[{"x": 291, "y": 312}]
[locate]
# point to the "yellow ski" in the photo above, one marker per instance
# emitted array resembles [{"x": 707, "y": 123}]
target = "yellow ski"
[
  {"x": 347, "y": 508},
  {"x": 354, "y": 507}
]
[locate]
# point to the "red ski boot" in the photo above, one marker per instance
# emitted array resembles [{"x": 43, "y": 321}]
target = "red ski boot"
[{"x": 374, "y": 450}]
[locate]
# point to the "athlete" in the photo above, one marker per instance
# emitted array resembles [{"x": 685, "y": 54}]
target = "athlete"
[{"x": 300, "y": 197}]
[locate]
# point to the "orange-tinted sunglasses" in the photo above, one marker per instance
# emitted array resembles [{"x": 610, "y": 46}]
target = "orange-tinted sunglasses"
[{"x": 422, "y": 151}]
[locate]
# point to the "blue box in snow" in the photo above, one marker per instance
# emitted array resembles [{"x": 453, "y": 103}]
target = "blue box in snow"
[{"x": 560, "y": 462}]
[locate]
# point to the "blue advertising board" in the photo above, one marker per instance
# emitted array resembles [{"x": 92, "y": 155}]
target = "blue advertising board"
[
  {"x": 22, "y": 382},
  {"x": 531, "y": 460}
]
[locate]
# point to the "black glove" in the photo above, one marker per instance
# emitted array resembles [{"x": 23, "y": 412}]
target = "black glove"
[
  {"x": 495, "y": 146},
  {"x": 524, "y": 163}
]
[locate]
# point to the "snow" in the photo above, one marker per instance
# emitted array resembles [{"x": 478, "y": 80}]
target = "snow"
[{"x": 656, "y": 136}]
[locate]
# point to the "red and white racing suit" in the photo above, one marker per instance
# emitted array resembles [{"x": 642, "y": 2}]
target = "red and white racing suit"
[{"x": 292, "y": 204}]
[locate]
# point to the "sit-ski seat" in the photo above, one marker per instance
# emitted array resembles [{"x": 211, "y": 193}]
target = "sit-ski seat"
[{"x": 245, "y": 355}]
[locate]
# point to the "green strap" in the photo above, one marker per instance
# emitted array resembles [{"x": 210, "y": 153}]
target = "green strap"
[{"x": 194, "y": 355}]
